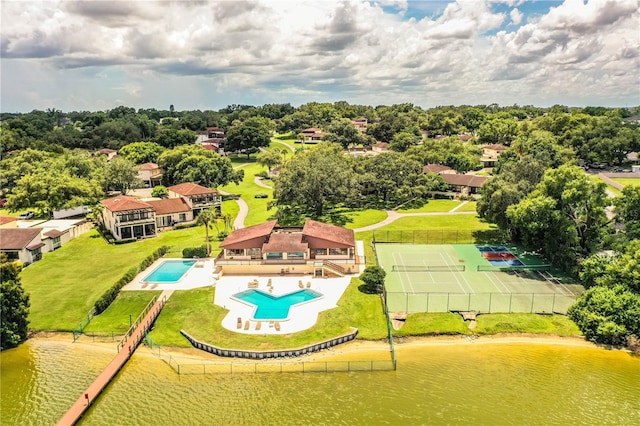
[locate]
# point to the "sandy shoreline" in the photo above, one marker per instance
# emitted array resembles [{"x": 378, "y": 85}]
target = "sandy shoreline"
[{"x": 351, "y": 350}]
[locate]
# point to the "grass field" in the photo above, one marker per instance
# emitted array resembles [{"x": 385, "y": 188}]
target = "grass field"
[
  {"x": 441, "y": 278},
  {"x": 65, "y": 284},
  {"x": 436, "y": 206},
  {"x": 127, "y": 305},
  {"x": 247, "y": 190}
]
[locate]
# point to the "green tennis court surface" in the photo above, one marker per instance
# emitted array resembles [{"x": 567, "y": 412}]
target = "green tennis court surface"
[{"x": 443, "y": 278}]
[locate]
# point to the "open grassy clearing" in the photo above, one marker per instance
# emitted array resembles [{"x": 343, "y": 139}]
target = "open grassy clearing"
[
  {"x": 433, "y": 206},
  {"x": 626, "y": 181},
  {"x": 247, "y": 190},
  {"x": 362, "y": 218},
  {"x": 430, "y": 324},
  {"x": 614, "y": 190},
  {"x": 445, "y": 221},
  {"x": 116, "y": 317},
  {"x": 65, "y": 284},
  {"x": 194, "y": 311}
]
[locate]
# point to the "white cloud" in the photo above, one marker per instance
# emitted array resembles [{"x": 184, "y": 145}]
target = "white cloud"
[{"x": 310, "y": 50}]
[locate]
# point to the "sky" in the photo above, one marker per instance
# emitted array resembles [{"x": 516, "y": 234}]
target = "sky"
[{"x": 96, "y": 55}]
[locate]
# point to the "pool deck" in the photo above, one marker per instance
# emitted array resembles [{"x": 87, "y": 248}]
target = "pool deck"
[
  {"x": 301, "y": 317},
  {"x": 200, "y": 275}
]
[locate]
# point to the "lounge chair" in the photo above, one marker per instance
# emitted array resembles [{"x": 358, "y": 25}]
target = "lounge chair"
[
  {"x": 145, "y": 284},
  {"x": 300, "y": 284},
  {"x": 258, "y": 325},
  {"x": 154, "y": 286},
  {"x": 277, "y": 326},
  {"x": 308, "y": 284},
  {"x": 246, "y": 325},
  {"x": 239, "y": 325}
]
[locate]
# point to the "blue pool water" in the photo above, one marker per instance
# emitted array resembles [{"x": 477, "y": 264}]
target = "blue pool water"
[
  {"x": 270, "y": 307},
  {"x": 493, "y": 249},
  {"x": 170, "y": 271}
]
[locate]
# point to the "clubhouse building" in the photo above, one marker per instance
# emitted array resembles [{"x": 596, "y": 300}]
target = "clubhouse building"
[{"x": 316, "y": 249}]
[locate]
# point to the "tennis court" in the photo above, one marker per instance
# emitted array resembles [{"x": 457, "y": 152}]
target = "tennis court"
[{"x": 462, "y": 277}]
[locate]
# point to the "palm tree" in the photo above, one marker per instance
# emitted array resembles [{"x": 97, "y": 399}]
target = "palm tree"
[{"x": 208, "y": 218}]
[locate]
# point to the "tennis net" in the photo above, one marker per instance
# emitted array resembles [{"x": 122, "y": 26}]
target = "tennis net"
[{"x": 428, "y": 268}]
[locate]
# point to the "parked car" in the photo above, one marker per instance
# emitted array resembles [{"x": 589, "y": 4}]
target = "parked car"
[
  {"x": 261, "y": 195},
  {"x": 26, "y": 216},
  {"x": 3, "y": 203}
]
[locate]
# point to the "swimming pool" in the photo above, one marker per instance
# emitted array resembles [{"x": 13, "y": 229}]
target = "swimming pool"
[
  {"x": 170, "y": 271},
  {"x": 270, "y": 307}
]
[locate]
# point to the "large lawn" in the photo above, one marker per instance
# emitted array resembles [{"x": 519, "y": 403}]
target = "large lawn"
[
  {"x": 360, "y": 218},
  {"x": 438, "y": 206},
  {"x": 127, "y": 306},
  {"x": 65, "y": 284},
  {"x": 195, "y": 312},
  {"x": 247, "y": 190}
]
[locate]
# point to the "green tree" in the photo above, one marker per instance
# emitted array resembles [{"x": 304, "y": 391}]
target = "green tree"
[
  {"x": 193, "y": 163},
  {"x": 160, "y": 191},
  {"x": 249, "y": 136},
  {"x": 208, "y": 218},
  {"x": 141, "y": 152},
  {"x": 269, "y": 159},
  {"x": 121, "y": 175},
  {"x": 171, "y": 138},
  {"x": 14, "y": 305},
  {"x": 344, "y": 133},
  {"x": 404, "y": 140},
  {"x": 564, "y": 216},
  {"x": 627, "y": 209},
  {"x": 373, "y": 278},
  {"x": 316, "y": 179}
]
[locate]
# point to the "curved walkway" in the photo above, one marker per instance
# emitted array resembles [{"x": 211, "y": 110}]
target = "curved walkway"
[
  {"x": 238, "y": 223},
  {"x": 259, "y": 182}
]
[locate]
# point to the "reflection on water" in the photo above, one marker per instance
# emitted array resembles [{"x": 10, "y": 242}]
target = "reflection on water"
[{"x": 484, "y": 384}]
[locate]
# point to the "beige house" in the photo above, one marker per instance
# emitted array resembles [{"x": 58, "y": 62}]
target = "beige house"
[
  {"x": 360, "y": 124},
  {"x": 490, "y": 154},
  {"x": 312, "y": 135},
  {"x": 437, "y": 169},
  {"x": 22, "y": 244},
  {"x": 317, "y": 249},
  {"x": 196, "y": 196},
  {"x": 150, "y": 174},
  {"x": 464, "y": 184},
  {"x": 171, "y": 211},
  {"x": 127, "y": 217}
]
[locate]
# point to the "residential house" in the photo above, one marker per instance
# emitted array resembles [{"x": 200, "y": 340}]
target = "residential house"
[
  {"x": 8, "y": 222},
  {"x": 150, "y": 174},
  {"x": 317, "y": 249},
  {"x": 490, "y": 154},
  {"x": 312, "y": 135},
  {"x": 215, "y": 139},
  {"x": 171, "y": 211},
  {"x": 464, "y": 184},
  {"x": 380, "y": 147},
  {"x": 127, "y": 217},
  {"x": 437, "y": 169},
  {"x": 360, "y": 124},
  {"x": 22, "y": 244},
  {"x": 109, "y": 153},
  {"x": 197, "y": 196}
]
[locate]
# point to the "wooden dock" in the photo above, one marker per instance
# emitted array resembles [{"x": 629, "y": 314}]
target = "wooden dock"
[{"x": 126, "y": 347}]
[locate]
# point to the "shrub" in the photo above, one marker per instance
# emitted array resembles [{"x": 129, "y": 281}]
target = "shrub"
[
  {"x": 191, "y": 252},
  {"x": 222, "y": 235}
]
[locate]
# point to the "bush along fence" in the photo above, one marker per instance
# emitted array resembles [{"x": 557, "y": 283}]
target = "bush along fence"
[{"x": 110, "y": 295}]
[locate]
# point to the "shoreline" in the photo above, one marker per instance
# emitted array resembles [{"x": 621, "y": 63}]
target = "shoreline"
[{"x": 377, "y": 349}]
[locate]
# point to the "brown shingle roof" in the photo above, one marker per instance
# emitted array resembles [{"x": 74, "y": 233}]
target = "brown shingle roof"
[
  {"x": 169, "y": 206},
  {"x": 17, "y": 238},
  {"x": 471, "y": 181},
  {"x": 147, "y": 166},
  {"x": 53, "y": 233},
  {"x": 255, "y": 231},
  {"x": 495, "y": 147},
  {"x": 435, "y": 168},
  {"x": 285, "y": 242},
  {"x": 123, "y": 203},
  {"x": 189, "y": 188},
  {"x": 328, "y": 232}
]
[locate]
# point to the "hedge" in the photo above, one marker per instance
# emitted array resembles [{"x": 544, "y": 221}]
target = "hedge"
[
  {"x": 191, "y": 252},
  {"x": 110, "y": 295}
]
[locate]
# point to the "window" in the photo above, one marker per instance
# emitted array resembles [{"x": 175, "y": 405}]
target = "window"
[
  {"x": 274, "y": 255},
  {"x": 338, "y": 251},
  {"x": 321, "y": 251},
  {"x": 235, "y": 252},
  {"x": 255, "y": 253},
  {"x": 295, "y": 255},
  {"x": 126, "y": 232},
  {"x": 182, "y": 217},
  {"x": 56, "y": 242}
]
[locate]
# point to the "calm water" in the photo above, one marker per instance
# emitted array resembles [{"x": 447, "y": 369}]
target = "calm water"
[
  {"x": 497, "y": 384},
  {"x": 275, "y": 307},
  {"x": 170, "y": 271}
]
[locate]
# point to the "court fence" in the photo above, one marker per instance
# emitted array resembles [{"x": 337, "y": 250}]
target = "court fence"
[
  {"x": 438, "y": 236},
  {"x": 541, "y": 303}
]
